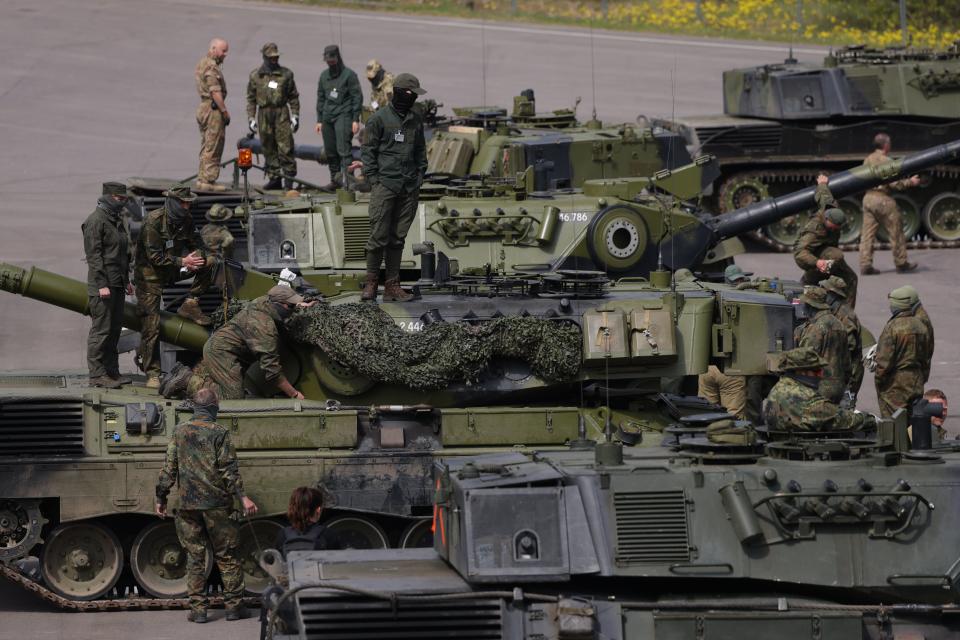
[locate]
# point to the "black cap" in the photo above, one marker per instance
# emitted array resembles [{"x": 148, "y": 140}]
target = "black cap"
[
  {"x": 114, "y": 189},
  {"x": 331, "y": 51}
]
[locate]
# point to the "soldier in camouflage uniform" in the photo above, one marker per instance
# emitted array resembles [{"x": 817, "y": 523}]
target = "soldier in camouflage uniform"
[
  {"x": 880, "y": 209},
  {"x": 921, "y": 315},
  {"x": 903, "y": 354},
  {"x": 273, "y": 109},
  {"x": 216, "y": 237},
  {"x": 836, "y": 298},
  {"x": 202, "y": 462},
  {"x": 795, "y": 404},
  {"x": 168, "y": 242},
  {"x": 825, "y": 334},
  {"x": 212, "y": 114},
  {"x": 394, "y": 163},
  {"x": 252, "y": 335},
  {"x": 381, "y": 85},
  {"x": 106, "y": 243},
  {"x": 339, "y": 104},
  {"x": 817, "y": 249}
]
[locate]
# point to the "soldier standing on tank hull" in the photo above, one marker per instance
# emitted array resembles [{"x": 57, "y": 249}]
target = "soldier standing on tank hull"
[
  {"x": 202, "y": 462},
  {"x": 903, "y": 354},
  {"x": 168, "y": 242},
  {"x": 394, "y": 162},
  {"x": 106, "y": 243},
  {"x": 825, "y": 335},
  {"x": 339, "y": 104},
  {"x": 880, "y": 209},
  {"x": 212, "y": 114},
  {"x": 817, "y": 249},
  {"x": 273, "y": 109}
]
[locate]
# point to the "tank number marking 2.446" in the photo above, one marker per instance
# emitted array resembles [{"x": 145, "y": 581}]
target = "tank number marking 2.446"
[{"x": 411, "y": 325}]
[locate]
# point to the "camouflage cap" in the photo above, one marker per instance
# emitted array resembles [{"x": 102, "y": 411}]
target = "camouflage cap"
[
  {"x": 114, "y": 189},
  {"x": 373, "y": 68},
  {"x": 835, "y": 284},
  {"x": 816, "y": 297},
  {"x": 180, "y": 192},
  {"x": 331, "y": 51},
  {"x": 799, "y": 359},
  {"x": 835, "y": 216},
  {"x": 903, "y": 297},
  {"x": 218, "y": 213},
  {"x": 408, "y": 81},
  {"x": 283, "y": 293},
  {"x": 734, "y": 273},
  {"x": 683, "y": 275},
  {"x": 270, "y": 50}
]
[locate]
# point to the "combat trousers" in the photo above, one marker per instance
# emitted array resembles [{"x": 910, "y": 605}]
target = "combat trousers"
[
  {"x": 337, "y": 144},
  {"x": 149, "y": 301},
  {"x": 106, "y": 322},
  {"x": 391, "y": 215},
  {"x": 881, "y": 209},
  {"x": 730, "y": 392},
  {"x": 212, "y": 134},
  {"x": 198, "y": 528},
  {"x": 840, "y": 269},
  {"x": 276, "y": 137},
  {"x": 219, "y": 371}
]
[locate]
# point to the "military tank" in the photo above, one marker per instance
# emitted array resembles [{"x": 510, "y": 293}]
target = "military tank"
[
  {"x": 783, "y": 123},
  {"x": 78, "y": 464},
  {"x": 833, "y": 536}
]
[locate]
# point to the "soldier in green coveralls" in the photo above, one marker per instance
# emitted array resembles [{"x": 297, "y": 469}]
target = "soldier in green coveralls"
[{"x": 339, "y": 104}]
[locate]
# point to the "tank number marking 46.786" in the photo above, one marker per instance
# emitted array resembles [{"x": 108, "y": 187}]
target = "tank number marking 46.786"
[{"x": 575, "y": 216}]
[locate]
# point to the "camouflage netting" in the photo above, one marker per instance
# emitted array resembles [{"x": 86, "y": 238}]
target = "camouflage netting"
[{"x": 366, "y": 339}]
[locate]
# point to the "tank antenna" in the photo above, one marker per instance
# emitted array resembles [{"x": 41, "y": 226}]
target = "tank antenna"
[
  {"x": 483, "y": 63},
  {"x": 593, "y": 74},
  {"x": 333, "y": 36}
]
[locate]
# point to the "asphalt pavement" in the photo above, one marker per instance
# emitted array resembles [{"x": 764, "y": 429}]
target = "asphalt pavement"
[{"x": 95, "y": 90}]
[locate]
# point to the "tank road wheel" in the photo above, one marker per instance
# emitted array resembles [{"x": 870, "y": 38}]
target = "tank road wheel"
[
  {"x": 20, "y": 526},
  {"x": 910, "y": 216},
  {"x": 787, "y": 230},
  {"x": 255, "y": 536},
  {"x": 159, "y": 563},
  {"x": 358, "y": 533},
  {"x": 941, "y": 216},
  {"x": 854, "y": 222},
  {"x": 82, "y": 560},
  {"x": 617, "y": 238},
  {"x": 740, "y": 191},
  {"x": 417, "y": 534}
]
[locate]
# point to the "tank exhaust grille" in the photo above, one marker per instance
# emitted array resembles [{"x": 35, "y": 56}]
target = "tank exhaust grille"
[
  {"x": 356, "y": 619},
  {"x": 41, "y": 426},
  {"x": 748, "y": 138},
  {"x": 652, "y": 527},
  {"x": 13, "y": 381},
  {"x": 355, "y": 233}
]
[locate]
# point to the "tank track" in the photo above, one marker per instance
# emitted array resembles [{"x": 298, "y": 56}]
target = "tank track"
[
  {"x": 806, "y": 177},
  {"x": 123, "y": 603}
]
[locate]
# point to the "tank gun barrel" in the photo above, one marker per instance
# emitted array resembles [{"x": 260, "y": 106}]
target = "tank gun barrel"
[
  {"x": 71, "y": 294},
  {"x": 842, "y": 184}
]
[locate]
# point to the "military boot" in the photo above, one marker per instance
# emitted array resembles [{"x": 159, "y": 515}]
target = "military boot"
[
  {"x": 197, "y": 616},
  {"x": 190, "y": 309},
  {"x": 106, "y": 382},
  {"x": 273, "y": 183},
  {"x": 119, "y": 379},
  {"x": 290, "y": 184},
  {"x": 393, "y": 293},
  {"x": 236, "y": 613},
  {"x": 153, "y": 382},
  {"x": 174, "y": 385},
  {"x": 336, "y": 180},
  {"x": 370, "y": 287},
  {"x": 208, "y": 186}
]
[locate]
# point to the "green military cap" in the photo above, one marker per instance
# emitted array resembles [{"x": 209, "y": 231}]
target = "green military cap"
[
  {"x": 836, "y": 216},
  {"x": 816, "y": 297},
  {"x": 734, "y": 273},
  {"x": 835, "y": 284},
  {"x": 180, "y": 192},
  {"x": 283, "y": 293},
  {"x": 409, "y": 82},
  {"x": 114, "y": 189},
  {"x": 218, "y": 213},
  {"x": 799, "y": 359},
  {"x": 270, "y": 50},
  {"x": 331, "y": 51},
  {"x": 903, "y": 297}
]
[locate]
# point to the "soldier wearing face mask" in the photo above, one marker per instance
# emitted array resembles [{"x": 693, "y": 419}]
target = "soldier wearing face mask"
[
  {"x": 904, "y": 350},
  {"x": 273, "y": 110},
  {"x": 339, "y": 104},
  {"x": 168, "y": 242}
]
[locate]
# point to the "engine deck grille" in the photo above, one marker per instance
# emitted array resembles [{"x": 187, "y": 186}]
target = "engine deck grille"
[
  {"x": 762, "y": 137},
  {"x": 356, "y": 230},
  {"x": 41, "y": 426},
  {"x": 652, "y": 527}
]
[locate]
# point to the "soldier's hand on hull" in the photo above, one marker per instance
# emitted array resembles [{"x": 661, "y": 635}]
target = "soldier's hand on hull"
[
  {"x": 104, "y": 292},
  {"x": 306, "y": 304},
  {"x": 249, "y": 506},
  {"x": 161, "y": 510}
]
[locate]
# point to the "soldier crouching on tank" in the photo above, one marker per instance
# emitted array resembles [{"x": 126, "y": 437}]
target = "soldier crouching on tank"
[
  {"x": 216, "y": 237},
  {"x": 252, "y": 335},
  {"x": 795, "y": 404}
]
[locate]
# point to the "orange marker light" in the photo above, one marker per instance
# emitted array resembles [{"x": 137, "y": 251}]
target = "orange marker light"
[{"x": 244, "y": 158}]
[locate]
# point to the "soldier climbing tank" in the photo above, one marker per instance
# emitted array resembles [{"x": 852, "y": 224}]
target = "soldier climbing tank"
[{"x": 783, "y": 123}]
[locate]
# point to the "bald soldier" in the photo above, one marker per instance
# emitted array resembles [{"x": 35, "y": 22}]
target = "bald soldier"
[{"x": 212, "y": 114}]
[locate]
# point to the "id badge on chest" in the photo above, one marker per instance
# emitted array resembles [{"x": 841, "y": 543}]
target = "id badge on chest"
[
  {"x": 273, "y": 84},
  {"x": 333, "y": 93},
  {"x": 398, "y": 136},
  {"x": 168, "y": 244}
]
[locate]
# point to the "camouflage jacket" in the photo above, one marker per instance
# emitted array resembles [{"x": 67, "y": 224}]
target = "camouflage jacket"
[
  {"x": 921, "y": 315},
  {"x": 825, "y": 334},
  {"x": 339, "y": 97},
  {"x": 202, "y": 462},
  {"x": 208, "y": 77},
  {"x": 106, "y": 243},
  {"x": 879, "y": 157},
  {"x": 814, "y": 238},
  {"x": 394, "y": 150},
  {"x": 794, "y": 404},
  {"x": 272, "y": 88},
  {"x": 380, "y": 94},
  {"x": 217, "y": 239},
  {"x": 851, "y": 325},
  {"x": 161, "y": 248},
  {"x": 903, "y": 358},
  {"x": 251, "y": 335}
]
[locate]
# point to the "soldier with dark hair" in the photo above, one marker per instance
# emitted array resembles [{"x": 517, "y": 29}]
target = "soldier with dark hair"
[
  {"x": 903, "y": 354},
  {"x": 825, "y": 335},
  {"x": 273, "y": 109},
  {"x": 837, "y": 299},
  {"x": 202, "y": 462},
  {"x": 880, "y": 209},
  {"x": 339, "y": 104},
  {"x": 305, "y": 532}
]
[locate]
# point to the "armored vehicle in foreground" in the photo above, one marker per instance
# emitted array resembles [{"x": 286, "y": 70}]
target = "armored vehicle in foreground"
[
  {"x": 564, "y": 355},
  {"x": 783, "y": 123}
]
